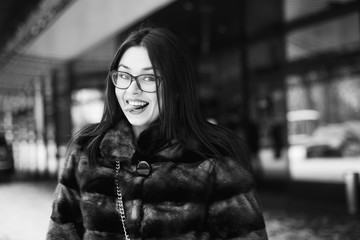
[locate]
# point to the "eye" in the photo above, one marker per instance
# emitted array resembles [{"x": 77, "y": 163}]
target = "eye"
[
  {"x": 124, "y": 76},
  {"x": 149, "y": 78}
]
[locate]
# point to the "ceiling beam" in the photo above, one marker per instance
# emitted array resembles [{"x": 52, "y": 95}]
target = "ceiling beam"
[
  {"x": 88, "y": 23},
  {"x": 333, "y": 11}
]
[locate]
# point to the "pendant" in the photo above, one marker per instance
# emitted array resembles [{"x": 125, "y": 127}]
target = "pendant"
[{"x": 143, "y": 169}]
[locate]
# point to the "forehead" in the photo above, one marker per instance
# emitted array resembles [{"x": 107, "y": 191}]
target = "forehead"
[{"x": 135, "y": 58}]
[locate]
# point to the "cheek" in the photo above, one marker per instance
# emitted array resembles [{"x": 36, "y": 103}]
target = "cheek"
[
  {"x": 120, "y": 96},
  {"x": 157, "y": 105}
]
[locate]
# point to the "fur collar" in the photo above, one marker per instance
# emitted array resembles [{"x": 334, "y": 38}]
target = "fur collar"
[{"x": 119, "y": 143}]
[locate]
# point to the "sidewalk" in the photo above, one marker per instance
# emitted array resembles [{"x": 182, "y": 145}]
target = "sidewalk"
[
  {"x": 25, "y": 209},
  {"x": 290, "y": 218}
]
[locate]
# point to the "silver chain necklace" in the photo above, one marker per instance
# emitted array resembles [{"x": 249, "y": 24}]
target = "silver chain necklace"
[{"x": 119, "y": 200}]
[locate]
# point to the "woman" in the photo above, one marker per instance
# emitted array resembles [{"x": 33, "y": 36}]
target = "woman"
[{"x": 153, "y": 168}]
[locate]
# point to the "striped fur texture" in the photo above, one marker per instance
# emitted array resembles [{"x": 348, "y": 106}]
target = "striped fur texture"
[{"x": 185, "y": 197}]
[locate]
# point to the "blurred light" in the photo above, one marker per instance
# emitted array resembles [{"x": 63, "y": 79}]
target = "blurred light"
[{"x": 87, "y": 107}]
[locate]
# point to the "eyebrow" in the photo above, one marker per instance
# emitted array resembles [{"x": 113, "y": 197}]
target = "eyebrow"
[{"x": 146, "y": 68}]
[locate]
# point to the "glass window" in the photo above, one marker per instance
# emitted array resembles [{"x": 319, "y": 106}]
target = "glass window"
[{"x": 340, "y": 34}]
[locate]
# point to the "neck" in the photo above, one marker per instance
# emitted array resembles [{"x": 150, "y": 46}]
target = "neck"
[{"x": 137, "y": 130}]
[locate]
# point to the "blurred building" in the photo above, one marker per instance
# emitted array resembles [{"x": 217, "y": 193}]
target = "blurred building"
[{"x": 278, "y": 72}]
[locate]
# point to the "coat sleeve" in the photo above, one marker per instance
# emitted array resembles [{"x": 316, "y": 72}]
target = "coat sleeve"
[
  {"x": 235, "y": 211},
  {"x": 66, "y": 218}
]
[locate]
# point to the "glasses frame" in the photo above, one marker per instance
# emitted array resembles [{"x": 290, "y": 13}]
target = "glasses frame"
[{"x": 157, "y": 80}]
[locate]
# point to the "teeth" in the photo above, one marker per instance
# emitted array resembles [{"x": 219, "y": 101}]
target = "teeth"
[{"x": 137, "y": 103}]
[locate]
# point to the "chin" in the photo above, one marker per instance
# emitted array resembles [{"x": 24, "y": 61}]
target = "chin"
[
  {"x": 135, "y": 121},
  {"x": 139, "y": 121}
]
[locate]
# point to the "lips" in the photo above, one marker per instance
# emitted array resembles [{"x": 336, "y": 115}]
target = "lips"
[{"x": 133, "y": 105}]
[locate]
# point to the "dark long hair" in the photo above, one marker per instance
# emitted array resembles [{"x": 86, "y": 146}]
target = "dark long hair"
[{"x": 180, "y": 116}]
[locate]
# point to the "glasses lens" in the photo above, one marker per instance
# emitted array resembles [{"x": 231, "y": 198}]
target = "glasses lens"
[
  {"x": 121, "y": 79},
  {"x": 147, "y": 82}
]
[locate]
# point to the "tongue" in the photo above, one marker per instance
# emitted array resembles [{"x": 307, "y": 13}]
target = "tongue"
[{"x": 131, "y": 107}]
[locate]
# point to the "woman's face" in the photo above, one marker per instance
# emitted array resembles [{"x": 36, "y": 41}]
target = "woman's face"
[{"x": 140, "y": 108}]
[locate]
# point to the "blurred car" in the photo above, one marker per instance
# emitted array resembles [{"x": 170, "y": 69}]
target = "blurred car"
[
  {"x": 335, "y": 141},
  {"x": 6, "y": 159}
]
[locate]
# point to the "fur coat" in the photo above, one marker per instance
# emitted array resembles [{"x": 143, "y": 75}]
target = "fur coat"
[{"x": 186, "y": 196}]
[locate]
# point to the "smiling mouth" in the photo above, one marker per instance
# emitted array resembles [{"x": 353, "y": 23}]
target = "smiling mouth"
[{"x": 135, "y": 105}]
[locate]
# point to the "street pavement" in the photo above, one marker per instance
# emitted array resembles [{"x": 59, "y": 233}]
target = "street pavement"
[
  {"x": 291, "y": 218},
  {"x": 25, "y": 208}
]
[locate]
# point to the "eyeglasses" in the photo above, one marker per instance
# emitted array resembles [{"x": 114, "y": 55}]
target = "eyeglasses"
[{"x": 145, "y": 82}]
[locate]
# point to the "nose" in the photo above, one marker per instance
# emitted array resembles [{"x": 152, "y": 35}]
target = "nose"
[{"x": 134, "y": 88}]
